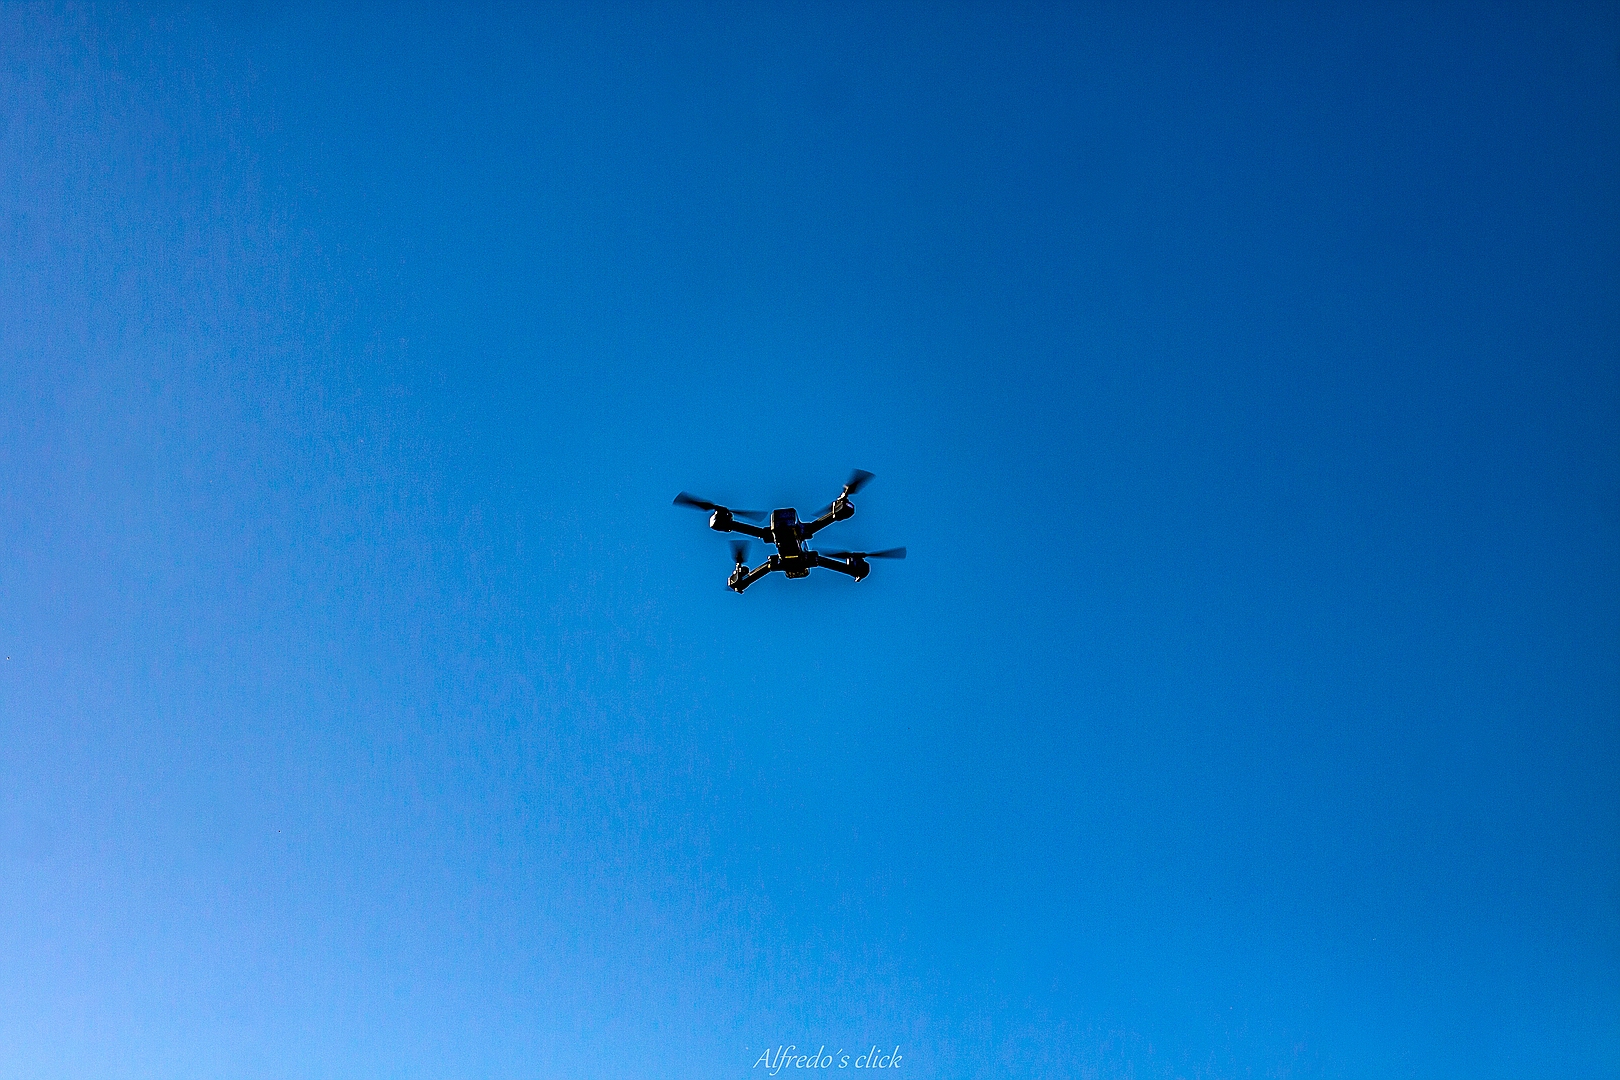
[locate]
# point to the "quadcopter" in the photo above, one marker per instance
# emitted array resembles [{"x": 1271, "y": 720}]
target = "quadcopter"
[{"x": 788, "y": 533}]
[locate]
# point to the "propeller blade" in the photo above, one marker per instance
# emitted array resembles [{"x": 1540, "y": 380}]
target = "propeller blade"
[
  {"x": 739, "y": 552},
  {"x": 683, "y": 499},
  {"x": 886, "y": 553},
  {"x": 856, "y": 481}
]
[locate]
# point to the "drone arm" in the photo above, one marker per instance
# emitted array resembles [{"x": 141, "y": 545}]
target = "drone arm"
[
  {"x": 855, "y": 568},
  {"x": 841, "y": 510},
  {"x": 810, "y": 528},
  {"x": 726, "y": 523},
  {"x": 744, "y": 578}
]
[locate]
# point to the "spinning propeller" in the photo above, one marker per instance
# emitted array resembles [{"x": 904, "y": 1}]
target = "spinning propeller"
[
  {"x": 886, "y": 553},
  {"x": 683, "y": 499},
  {"x": 739, "y": 552},
  {"x": 857, "y": 480}
]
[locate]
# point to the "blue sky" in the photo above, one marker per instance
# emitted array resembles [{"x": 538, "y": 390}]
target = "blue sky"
[{"x": 1242, "y": 380}]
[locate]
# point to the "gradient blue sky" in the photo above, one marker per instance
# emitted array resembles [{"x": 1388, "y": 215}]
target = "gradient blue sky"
[{"x": 1244, "y": 380}]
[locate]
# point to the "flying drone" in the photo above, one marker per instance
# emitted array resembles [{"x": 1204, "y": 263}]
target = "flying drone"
[{"x": 788, "y": 533}]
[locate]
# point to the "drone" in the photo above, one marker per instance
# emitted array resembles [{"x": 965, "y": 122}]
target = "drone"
[{"x": 788, "y": 533}]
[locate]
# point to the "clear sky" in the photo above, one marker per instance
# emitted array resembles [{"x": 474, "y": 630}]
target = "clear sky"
[{"x": 1243, "y": 379}]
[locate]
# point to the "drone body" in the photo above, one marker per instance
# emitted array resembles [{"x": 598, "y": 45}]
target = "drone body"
[{"x": 788, "y": 534}]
